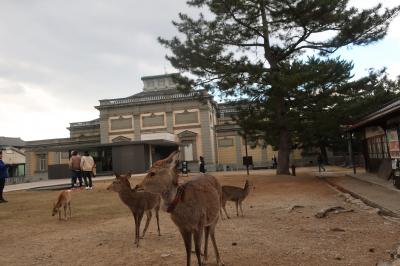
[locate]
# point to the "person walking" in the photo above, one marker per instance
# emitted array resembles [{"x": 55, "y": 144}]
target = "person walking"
[
  {"x": 202, "y": 165},
  {"x": 87, "y": 166},
  {"x": 3, "y": 176},
  {"x": 320, "y": 163},
  {"x": 75, "y": 166}
]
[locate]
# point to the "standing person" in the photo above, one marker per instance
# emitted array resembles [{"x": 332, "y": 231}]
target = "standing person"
[
  {"x": 87, "y": 165},
  {"x": 75, "y": 166},
  {"x": 320, "y": 163},
  {"x": 202, "y": 165},
  {"x": 274, "y": 163},
  {"x": 3, "y": 176}
]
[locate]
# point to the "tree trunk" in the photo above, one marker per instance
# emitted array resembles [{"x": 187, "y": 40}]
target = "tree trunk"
[
  {"x": 284, "y": 139},
  {"x": 284, "y": 152}
]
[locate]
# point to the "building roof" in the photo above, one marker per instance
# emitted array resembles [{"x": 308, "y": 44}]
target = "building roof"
[
  {"x": 73, "y": 144},
  {"x": 152, "y": 97},
  {"x": 11, "y": 142},
  {"x": 159, "y": 76},
  {"x": 91, "y": 123},
  {"x": 385, "y": 110}
]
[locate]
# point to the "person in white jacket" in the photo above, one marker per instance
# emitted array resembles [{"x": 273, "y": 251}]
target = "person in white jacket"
[{"x": 87, "y": 165}]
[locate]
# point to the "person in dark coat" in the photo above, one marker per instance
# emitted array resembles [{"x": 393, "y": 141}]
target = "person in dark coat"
[
  {"x": 202, "y": 165},
  {"x": 320, "y": 161},
  {"x": 3, "y": 176}
]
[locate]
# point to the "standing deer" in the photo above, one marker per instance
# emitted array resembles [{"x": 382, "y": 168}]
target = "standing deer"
[
  {"x": 63, "y": 200},
  {"x": 194, "y": 205},
  {"x": 138, "y": 202},
  {"x": 235, "y": 194}
]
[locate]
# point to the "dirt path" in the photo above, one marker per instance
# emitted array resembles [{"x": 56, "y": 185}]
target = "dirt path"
[{"x": 101, "y": 230}]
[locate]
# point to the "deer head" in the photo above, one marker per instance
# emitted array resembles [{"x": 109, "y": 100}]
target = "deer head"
[
  {"x": 55, "y": 209},
  {"x": 162, "y": 179},
  {"x": 248, "y": 186},
  {"x": 120, "y": 182}
]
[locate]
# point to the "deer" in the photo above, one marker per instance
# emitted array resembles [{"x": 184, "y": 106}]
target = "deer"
[
  {"x": 139, "y": 202},
  {"x": 235, "y": 194},
  {"x": 63, "y": 201},
  {"x": 194, "y": 206}
]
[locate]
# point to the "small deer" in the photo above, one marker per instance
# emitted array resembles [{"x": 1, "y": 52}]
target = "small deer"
[
  {"x": 194, "y": 205},
  {"x": 63, "y": 200},
  {"x": 139, "y": 202},
  {"x": 236, "y": 194}
]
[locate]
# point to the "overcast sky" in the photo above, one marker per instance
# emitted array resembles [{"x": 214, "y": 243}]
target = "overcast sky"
[{"x": 58, "y": 58}]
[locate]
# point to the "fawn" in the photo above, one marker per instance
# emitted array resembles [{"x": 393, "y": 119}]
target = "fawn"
[
  {"x": 235, "y": 194},
  {"x": 138, "y": 202},
  {"x": 194, "y": 205},
  {"x": 63, "y": 200}
]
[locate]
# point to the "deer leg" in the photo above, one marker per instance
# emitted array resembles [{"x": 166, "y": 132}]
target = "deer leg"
[
  {"x": 206, "y": 235},
  {"x": 197, "y": 244},
  {"x": 237, "y": 210},
  {"x": 214, "y": 242},
  {"x": 136, "y": 226},
  {"x": 158, "y": 223},
  {"x": 70, "y": 212},
  {"x": 65, "y": 212},
  {"x": 148, "y": 219},
  {"x": 241, "y": 210},
  {"x": 226, "y": 213},
  {"x": 187, "y": 238},
  {"x": 139, "y": 218},
  {"x": 59, "y": 214}
]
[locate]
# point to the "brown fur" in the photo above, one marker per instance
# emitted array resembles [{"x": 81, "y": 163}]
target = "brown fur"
[
  {"x": 138, "y": 202},
  {"x": 198, "y": 209},
  {"x": 63, "y": 200},
  {"x": 235, "y": 194}
]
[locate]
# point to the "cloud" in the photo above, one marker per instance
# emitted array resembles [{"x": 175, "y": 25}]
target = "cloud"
[{"x": 58, "y": 58}]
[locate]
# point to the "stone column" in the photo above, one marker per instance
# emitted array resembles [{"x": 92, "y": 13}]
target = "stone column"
[
  {"x": 207, "y": 144},
  {"x": 170, "y": 122},
  {"x": 136, "y": 126},
  {"x": 104, "y": 129}
]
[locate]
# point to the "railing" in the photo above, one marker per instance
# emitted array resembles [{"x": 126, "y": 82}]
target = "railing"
[
  {"x": 87, "y": 123},
  {"x": 15, "y": 180},
  {"x": 147, "y": 99}
]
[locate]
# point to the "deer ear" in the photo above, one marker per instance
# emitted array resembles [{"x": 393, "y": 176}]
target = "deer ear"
[
  {"x": 170, "y": 157},
  {"x": 174, "y": 160},
  {"x": 117, "y": 175},
  {"x": 129, "y": 175}
]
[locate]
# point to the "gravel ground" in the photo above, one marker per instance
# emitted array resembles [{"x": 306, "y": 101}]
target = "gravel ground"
[{"x": 101, "y": 231}]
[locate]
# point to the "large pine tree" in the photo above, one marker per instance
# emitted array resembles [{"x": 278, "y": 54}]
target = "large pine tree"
[{"x": 246, "y": 48}]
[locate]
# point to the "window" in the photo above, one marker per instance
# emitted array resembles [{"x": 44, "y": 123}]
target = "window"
[
  {"x": 188, "y": 152},
  {"x": 121, "y": 123},
  {"x": 187, "y": 118},
  {"x": 153, "y": 120},
  {"x": 377, "y": 147},
  {"x": 41, "y": 162},
  {"x": 64, "y": 155},
  {"x": 226, "y": 142}
]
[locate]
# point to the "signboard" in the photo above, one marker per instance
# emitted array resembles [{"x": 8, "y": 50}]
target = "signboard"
[
  {"x": 247, "y": 160},
  {"x": 393, "y": 143}
]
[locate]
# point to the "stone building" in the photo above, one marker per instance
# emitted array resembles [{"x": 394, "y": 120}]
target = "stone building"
[
  {"x": 13, "y": 154},
  {"x": 134, "y": 131}
]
